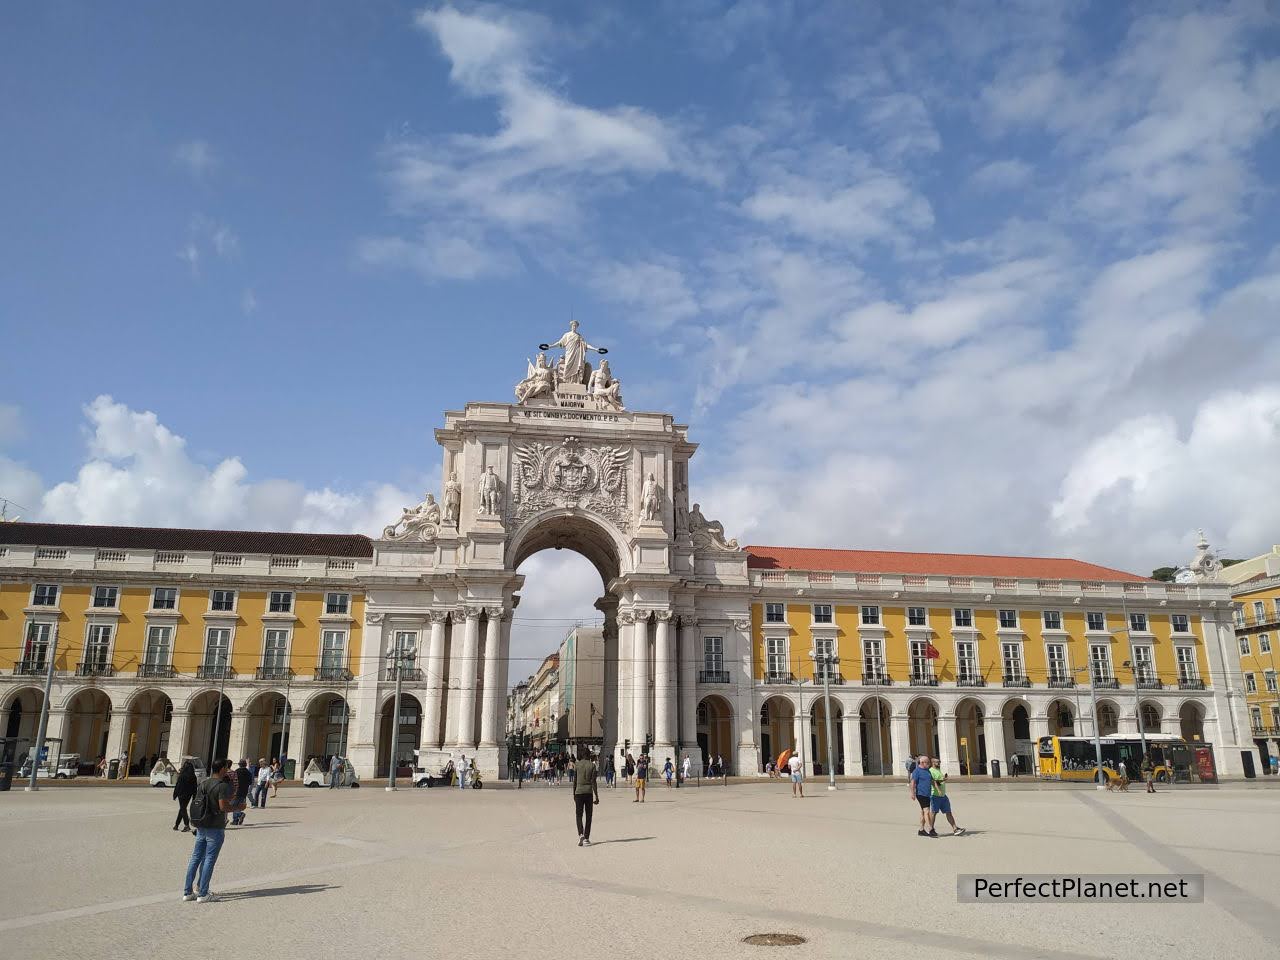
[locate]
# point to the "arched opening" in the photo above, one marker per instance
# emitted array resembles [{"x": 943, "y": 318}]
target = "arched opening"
[
  {"x": 970, "y": 737},
  {"x": 1062, "y": 719},
  {"x": 922, "y": 727},
  {"x": 87, "y": 724},
  {"x": 266, "y": 716},
  {"x": 818, "y": 735},
  {"x": 1191, "y": 722},
  {"x": 148, "y": 721},
  {"x": 715, "y": 733},
  {"x": 408, "y": 735},
  {"x": 22, "y": 715},
  {"x": 877, "y": 749},
  {"x": 328, "y": 722},
  {"x": 1152, "y": 716},
  {"x": 1016, "y": 717},
  {"x": 777, "y": 727},
  {"x": 1108, "y": 718},
  {"x": 209, "y": 727}
]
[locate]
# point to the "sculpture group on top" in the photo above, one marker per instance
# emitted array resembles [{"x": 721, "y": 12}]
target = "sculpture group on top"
[
  {"x": 423, "y": 522},
  {"x": 571, "y": 371}
]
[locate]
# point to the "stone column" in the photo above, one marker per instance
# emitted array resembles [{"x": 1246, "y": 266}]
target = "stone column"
[
  {"x": 798, "y": 741},
  {"x": 852, "y": 736},
  {"x": 949, "y": 744},
  {"x": 641, "y": 725},
  {"x": 177, "y": 736},
  {"x": 899, "y": 744},
  {"x": 743, "y": 677},
  {"x": 363, "y": 702},
  {"x": 236, "y": 746},
  {"x": 504, "y": 672},
  {"x": 688, "y": 694},
  {"x": 432, "y": 734},
  {"x": 993, "y": 730},
  {"x": 489, "y": 701},
  {"x": 466, "y": 724},
  {"x": 625, "y": 708},
  {"x": 664, "y": 689},
  {"x": 609, "y": 607},
  {"x": 299, "y": 740},
  {"x": 451, "y": 684}
]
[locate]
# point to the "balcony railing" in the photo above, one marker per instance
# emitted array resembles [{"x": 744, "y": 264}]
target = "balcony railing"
[
  {"x": 214, "y": 671},
  {"x": 1150, "y": 684},
  {"x": 713, "y": 676},
  {"x": 1265, "y": 731},
  {"x": 1106, "y": 683},
  {"x": 1190, "y": 684},
  {"x": 834, "y": 677},
  {"x": 93, "y": 668},
  {"x": 407, "y": 674},
  {"x": 877, "y": 680},
  {"x": 776, "y": 676},
  {"x": 156, "y": 670},
  {"x": 1017, "y": 682},
  {"x": 1269, "y": 617},
  {"x": 970, "y": 680},
  {"x": 1061, "y": 683},
  {"x": 333, "y": 673},
  {"x": 919, "y": 680},
  {"x": 273, "y": 673},
  {"x": 30, "y": 668}
]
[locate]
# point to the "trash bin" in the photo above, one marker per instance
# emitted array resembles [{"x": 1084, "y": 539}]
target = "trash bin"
[
  {"x": 6, "y": 776},
  {"x": 995, "y": 769},
  {"x": 1246, "y": 760},
  {"x": 113, "y": 769},
  {"x": 290, "y": 768}
]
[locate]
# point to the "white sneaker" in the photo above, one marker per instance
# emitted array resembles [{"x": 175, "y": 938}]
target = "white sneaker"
[
  {"x": 586, "y": 842},
  {"x": 188, "y": 897},
  {"x": 207, "y": 898}
]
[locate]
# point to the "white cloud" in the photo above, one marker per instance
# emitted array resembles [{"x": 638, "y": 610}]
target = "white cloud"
[
  {"x": 206, "y": 238},
  {"x": 438, "y": 255},
  {"x": 1002, "y": 175},
  {"x": 561, "y": 587},
  {"x": 657, "y": 291},
  {"x": 197, "y": 157},
  {"x": 248, "y": 303}
]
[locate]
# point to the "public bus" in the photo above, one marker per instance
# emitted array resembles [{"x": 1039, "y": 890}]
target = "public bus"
[{"x": 1075, "y": 758}]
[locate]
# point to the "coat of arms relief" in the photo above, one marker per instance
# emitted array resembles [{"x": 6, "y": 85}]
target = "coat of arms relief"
[{"x": 570, "y": 474}]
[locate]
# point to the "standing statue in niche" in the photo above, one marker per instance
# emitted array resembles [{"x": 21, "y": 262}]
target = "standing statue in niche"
[
  {"x": 573, "y": 366},
  {"x": 605, "y": 388},
  {"x": 650, "y": 499},
  {"x": 452, "y": 499},
  {"x": 490, "y": 493},
  {"x": 539, "y": 382}
]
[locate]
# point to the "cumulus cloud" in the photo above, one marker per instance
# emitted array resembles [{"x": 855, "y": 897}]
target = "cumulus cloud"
[{"x": 197, "y": 157}]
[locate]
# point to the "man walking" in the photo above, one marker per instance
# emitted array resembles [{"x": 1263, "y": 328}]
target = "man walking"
[
  {"x": 939, "y": 802},
  {"x": 244, "y": 783},
  {"x": 921, "y": 790},
  {"x": 335, "y": 772},
  {"x": 214, "y": 799},
  {"x": 684, "y": 769},
  {"x": 1013, "y": 765},
  {"x": 586, "y": 795},
  {"x": 462, "y": 773},
  {"x": 796, "y": 766},
  {"x": 262, "y": 785}
]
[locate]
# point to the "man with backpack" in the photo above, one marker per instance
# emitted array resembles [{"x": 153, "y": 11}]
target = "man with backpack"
[{"x": 213, "y": 800}]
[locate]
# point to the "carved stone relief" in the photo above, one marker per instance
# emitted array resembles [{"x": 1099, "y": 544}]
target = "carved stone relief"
[{"x": 570, "y": 474}]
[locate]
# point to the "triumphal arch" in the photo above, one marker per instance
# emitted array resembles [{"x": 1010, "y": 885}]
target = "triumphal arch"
[{"x": 564, "y": 466}]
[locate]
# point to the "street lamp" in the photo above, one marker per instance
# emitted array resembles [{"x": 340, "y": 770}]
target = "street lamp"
[
  {"x": 828, "y": 662},
  {"x": 1097, "y": 737},
  {"x": 1133, "y": 658}
]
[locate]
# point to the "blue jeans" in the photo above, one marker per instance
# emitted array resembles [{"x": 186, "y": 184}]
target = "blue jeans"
[
  {"x": 462, "y": 779},
  {"x": 260, "y": 795},
  {"x": 203, "y": 857}
]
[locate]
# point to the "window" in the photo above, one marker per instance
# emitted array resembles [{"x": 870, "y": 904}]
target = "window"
[
  {"x": 713, "y": 655},
  {"x": 1052, "y": 619},
  {"x": 1250, "y": 684},
  {"x": 164, "y": 598},
  {"x": 776, "y": 658},
  {"x": 1009, "y": 619},
  {"x": 1238, "y": 610},
  {"x": 159, "y": 642},
  {"x": 1264, "y": 643},
  {"x": 872, "y": 657},
  {"x": 1276, "y": 603},
  {"x": 870, "y": 616},
  {"x": 97, "y": 647},
  {"x": 1138, "y": 622},
  {"x": 1259, "y": 611},
  {"x": 823, "y": 668},
  {"x": 916, "y": 617},
  {"x": 775, "y": 613},
  {"x": 222, "y": 601},
  {"x": 333, "y": 650},
  {"x": 281, "y": 601},
  {"x": 822, "y": 613},
  {"x": 217, "y": 647},
  {"x": 275, "y": 650},
  {"x": 966, "y": 660},
  {"x": 1244, "y": 646},
  {"x": 921, "y": 665},
  {"x": 105, "y": 596},
  {"x": 1144, "y": 670},
  {"x": 1011, "y": 657},
  {"x": 962, "y": 617},
  {"x": 1100, "y": 662},
  {"x": 1269, "y": 678},
  {"x": 1057, "y": 653},
  {"x": 1096, "y": 622},
  {"x": 337, "y": 603},
  {"x": 45, "y": 595},
  {"x": 1255, "y": 717},
  {"x": 1275, "y": 718},
  {"x": 35, "y": 649},
  {"x": 337, "y": 712},
  {"x": 1186, "y": 663},
  {"x": 1181, "y": 623}
]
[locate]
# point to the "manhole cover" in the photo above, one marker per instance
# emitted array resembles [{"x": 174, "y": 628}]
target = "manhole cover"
[{"x": 774, "y": 940}]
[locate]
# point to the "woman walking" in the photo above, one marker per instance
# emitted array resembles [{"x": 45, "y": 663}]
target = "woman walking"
[
  {"x": 277, "y": 774},
  {"x": 183, "y": 791}
]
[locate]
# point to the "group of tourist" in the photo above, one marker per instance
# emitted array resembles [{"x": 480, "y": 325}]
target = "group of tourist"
[{"x": 928, "y": 787}]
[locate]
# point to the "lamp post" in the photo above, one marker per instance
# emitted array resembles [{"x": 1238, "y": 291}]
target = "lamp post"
[
  {"x": 827, "y": 661},
  {"x": 1137, "y": 691},
  {"x": 44, "y": 711},
  {"x": 395, "y": 723},
  {"x": 1097, "y": 738}
]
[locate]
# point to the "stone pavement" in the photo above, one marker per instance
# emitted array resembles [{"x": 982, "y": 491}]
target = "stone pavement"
[{"x": 497, "y": 873}]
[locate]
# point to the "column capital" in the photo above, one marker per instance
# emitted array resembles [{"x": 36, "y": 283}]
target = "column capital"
[
  {"x": 373, "y": 619},
  {"x": 437, "y": 616},
  {"x": 663, "y": 616},
  {"x": 626, "y": 616},
  {"x": 742, "y": 626}
]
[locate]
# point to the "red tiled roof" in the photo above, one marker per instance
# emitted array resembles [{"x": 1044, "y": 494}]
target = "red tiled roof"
[
  {"x": 943, "y": 564},
  {"x": 175, "y": 539}
]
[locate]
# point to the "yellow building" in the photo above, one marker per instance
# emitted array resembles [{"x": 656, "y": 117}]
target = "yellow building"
[{"x": 1257, "y": 620}]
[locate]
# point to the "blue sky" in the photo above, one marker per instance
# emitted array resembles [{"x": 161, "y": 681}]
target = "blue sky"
[{"x": 989, "y": 278}]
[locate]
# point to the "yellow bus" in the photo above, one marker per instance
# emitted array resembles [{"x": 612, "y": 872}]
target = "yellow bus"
[{"x": 1075, "y": 758}]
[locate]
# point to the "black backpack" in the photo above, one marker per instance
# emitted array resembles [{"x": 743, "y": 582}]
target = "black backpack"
[{"x": 202, "y": 812}]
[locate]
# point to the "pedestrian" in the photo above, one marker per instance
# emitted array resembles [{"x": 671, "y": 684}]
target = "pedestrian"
[
  {"x": 1275, "y": 765},
  {"x": 277, "y": 774},
  {"x": 610, "y": 773},
  {"x": 1013, "y": 765},
  {"x": 462, "y": 772},
  {"x": 721, "y": 769},
  {"x": 642, "y": 775},
  {"x": 796, "y": 767},
  {"x": 1149, "y": 773},
  {"x": 213, "y": 800},
  {"x": 685, "y": 765},
  {"x": 244, "y": 783},
  {"x": 262, "y": 784},
  {"x": 1123, "y": 769},
  {"x": 183, "y": 791},
  {"x": 921, "y": 789},
  {"x": 586, "y": 795},
  {"x": 668, "y": 771},
  {"x": 939, "y": 802},
  {"x": 335, "y": 772},
  {"x": 630, "y": 767}
]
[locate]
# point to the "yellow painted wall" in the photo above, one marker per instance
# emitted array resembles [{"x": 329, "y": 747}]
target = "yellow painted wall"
[
  {"x": 131, "y": 628},
  {"x": 989, "y": 666},
  {"x": 944, "y": 668},
  {"x": 13, "y": 598},
  {"x": 848, "y": 643},
  {"x": 74, "y": 600},
  {"x": 897, "y": 655},
  {"x": 188, "y": 635}
]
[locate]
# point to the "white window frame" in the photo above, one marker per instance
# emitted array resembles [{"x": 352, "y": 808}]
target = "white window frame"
[
  {"x": 346, "y": 604},
  {"x": 773, "y": 648},
  {"x": 1244, "y": 645},
  {"x": 1259, "y": 611},
  {"x": 1019, "y": 662},
  {"x": 115, "y": 597},
  {"x": 1108, "y": 672},
  {"x": 1264, "y": 643},
  {"x": 955, "y": 617},
  {"x": 1186, "y": 623},
  {"x": 1000, "y": 612},
  {"x": 831, "y": 614},
  {"x": 1255, "y": 717},
  {"x": 235, "y": 600},
  {"x": 271, "y": 601},
  {"x": 713, "y": 654},
  {"x": 1064, "y": 661},
  {"x": 204, "y": 653},
  {"x": 57, "y": 596},
  {"x": 1144, "y": 669},
  {"x": 967, "y": 659},
  {"x": 176, "y": 598},
  {"x": 923, "y": 615},
  {"x": 921, "y": 665},
  {"x": 1269, "y": 680},
  {"x": 1088, "y": 621},
  {"x": 165, "y": 628},
  {"x": 397, "y": 652},
  {"x": 95, "y": 628},
  {"x": 1186, "y": 657},
  {"x": 1139, "y": 618},
  {"x": 47, "y": 628},
  {"x": 266, "y": 648},
  {"x": 873, "y": 659},
  {"x": 1250, "y": 683},
  {"x": 768, "y": 610},
  {"x": 874, "y": 611},
  {"x": 822, "y": 668},
  {"x": 1044, "y": 619},
  {"x": 324, "y": 663}
]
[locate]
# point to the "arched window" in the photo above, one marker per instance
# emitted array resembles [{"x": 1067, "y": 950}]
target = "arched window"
[
  {"x": 764, "y": 715},
  {"x": 1107, "y": 720},
  {"x": 702, "y": 714},
  {"x": 1150, "y": 718}
]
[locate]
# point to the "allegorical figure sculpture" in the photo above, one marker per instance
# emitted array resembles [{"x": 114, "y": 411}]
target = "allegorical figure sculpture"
[
  {"x": 709, "y": 531},
  {"x": 490, "y": 493},
  {"x": 420, "y": 521},
  {"x": 539, "y": 382},
  {"x": 452, "y": 499},
  {"x": 650, "y": 499},
  {"x": 573, "y": 367},
  {"x": 605, "y": 388}
]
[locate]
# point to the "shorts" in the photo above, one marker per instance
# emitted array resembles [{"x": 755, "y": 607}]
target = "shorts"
[
  {"x": 923, "y": 801},
  {"x": 797, "y": 778},
  {"x": 940, "y": 804}
]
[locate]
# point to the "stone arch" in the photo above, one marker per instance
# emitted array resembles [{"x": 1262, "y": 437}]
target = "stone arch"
[
  {"x": 1191, "y": 716},
  {"x": 777, "y": 726},
  {"x": 326, "y": 731},
  {"x": 87, "y": 724},
  {"x": 1152, "y": 715},
  {"x": 874, "y": 721},
  {"x": 148, "y": 716},
  {"x": 971, "y": 740},
  {"x": 1015, "y": 714},
  {"x": 209, "y": 726},
  {"x": 594, "y": 537},
  {"x": 1061, "y": 715},
  {"x": 922, "y": 727},
  {"x": 20, "y": 711},
  {"x": 715, "y": 731},
  {"x": 818, "y": 734},
  {"x": 266, "y": 714},
  {"x": 1107, "y": 718},
  {"x": 408, "y": 733}
]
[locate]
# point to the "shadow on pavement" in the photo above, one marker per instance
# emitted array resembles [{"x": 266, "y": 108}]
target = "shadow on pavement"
[
  {"x": 258, "y": 826},
  {"x": 277, "y": 891},
  {"x": 598, "y": 843}
]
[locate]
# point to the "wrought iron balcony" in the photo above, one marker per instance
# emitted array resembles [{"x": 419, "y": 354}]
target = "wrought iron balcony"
[
  {"x": 776, "y": 676},
  {"x": 156, "y": 670},
  {"x": 1187, "y": 684},
  {"x": 1106, "y": 683},
  {"x": 1061, "y": 683},
  {"x": 713, "y": 676},
  {"x": 333, "y": 673},
  {"x": 1265, "y": 731},
  {"x": 94, "y": 668},
  {"x": 970, "y": 680},
  {"x": 922, "y": 681},
  {"x": 214, "y": 671},
  {"x": 834, "y": 678},
  {"x": 1150, "y": 685},
  {"x": 273, "y": 673},
  {"x": 877, "y": 680},
  {"x": 1017, "y": 682},
  {"x": 30, "y": 668},
  {"x": 407, "y": 674}
]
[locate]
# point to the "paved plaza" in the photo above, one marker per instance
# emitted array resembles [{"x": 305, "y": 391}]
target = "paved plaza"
[{"x": 96, "y": 871}]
